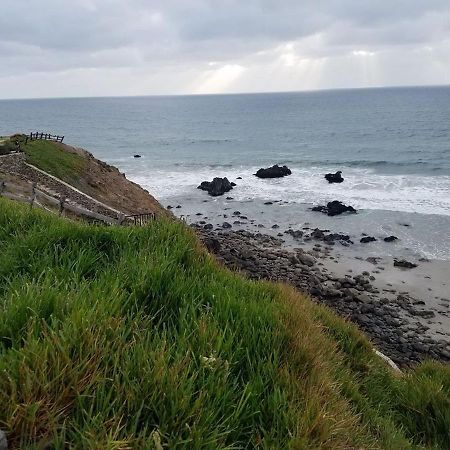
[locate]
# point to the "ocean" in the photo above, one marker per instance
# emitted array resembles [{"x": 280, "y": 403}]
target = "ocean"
[{"x": 392, "y": 145}]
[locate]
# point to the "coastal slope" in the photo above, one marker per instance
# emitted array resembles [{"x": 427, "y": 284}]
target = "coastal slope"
[
  {"x": 80, "y": 169},
  {"x": 134, "y": 337}
]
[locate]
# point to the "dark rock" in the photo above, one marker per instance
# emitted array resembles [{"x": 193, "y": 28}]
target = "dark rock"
[
  {"x": 390, "y": 238},
  {"x": 334, "y": 208},
  {"x": 178, "y": 207},
  {"x": 236, "y": 213},
  {"x": 137, "y": 156},
  {"x": 233, "y": 184},
  {"x": 367, "y": 239},
  {"x": 306, "y": 259},
  {"x": 334, "y": 177},
  {"x": 373, "y": 260},
  {"x": 212, "y": 244},
  {"x": 403, "y": 263},
  {"x": 268, "y": 203},
  {"x": 226, "y": 225},
  {"x": 169, "y": 207},
  {"x": 239, "y": 178},
  {"x": 273, "y": 172},
  {"x": 208, "y": 226},
  {"x": 216, "y": 187},
  {"x": 296, "y": 234},
  {"x": 422, "y": 313},
  {"x": 275, "y": 226},
  {"x": 229, "y": 198}
]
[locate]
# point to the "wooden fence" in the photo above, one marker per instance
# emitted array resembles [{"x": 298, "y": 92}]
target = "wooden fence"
[
  {"x": 44, "y": 136},
  {"x": 35, "y": 197}
]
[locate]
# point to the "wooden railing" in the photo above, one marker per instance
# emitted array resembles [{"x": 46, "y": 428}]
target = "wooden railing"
[
  {"x": 139, "y": 219},
  {"x": 37, "y": 198},
  {"x": 44, "y": 136}
]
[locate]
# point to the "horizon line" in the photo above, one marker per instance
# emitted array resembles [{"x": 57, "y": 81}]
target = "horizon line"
[{"x": 217, "y": 94}]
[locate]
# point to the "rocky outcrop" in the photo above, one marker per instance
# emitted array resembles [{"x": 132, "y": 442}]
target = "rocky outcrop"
[
  {"x": 216, "y": 187},
  {"x": 367, "y": 239},
  {"x": 334, "y": 177},
  {"x": 334, "y": 208},
  {"x": 404, "y": 264},
  {"x": 273, "y": 172}
]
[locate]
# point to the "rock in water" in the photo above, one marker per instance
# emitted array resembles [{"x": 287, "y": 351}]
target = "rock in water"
[
  {"x": 273, "y": 172},
  {"x": 216, "y": 187},
  {"x": 403, "y": 263},
  {"x": 367, "y": 239},
  {"x": 137, "y": 156},
  {"x": 334, "y": 177},
  {"x": 334, "y": 208},
  {"x": 390, "y": 239}
]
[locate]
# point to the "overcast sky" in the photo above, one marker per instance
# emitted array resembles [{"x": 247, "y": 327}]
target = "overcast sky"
[{"x": 64, "y": 48}]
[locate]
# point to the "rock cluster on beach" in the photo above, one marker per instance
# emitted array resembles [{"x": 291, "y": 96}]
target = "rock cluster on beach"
[
  {"x": 216, "y": 187},
  {"x": 334, "y": 208},
  {"x": 273, "y": 172},
  {"x": 392, "y": 323}
]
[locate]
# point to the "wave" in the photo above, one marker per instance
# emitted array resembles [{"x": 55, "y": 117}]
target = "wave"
[{"x": 362, "y": 189}]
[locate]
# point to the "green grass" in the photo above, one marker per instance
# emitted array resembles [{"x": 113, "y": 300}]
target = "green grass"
[
  {"x": 116, "y": 338},
  {"x": 52, "y": 158}
]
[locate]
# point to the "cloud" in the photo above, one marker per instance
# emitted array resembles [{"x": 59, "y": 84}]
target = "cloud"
[{"x": 256, "y": 45}]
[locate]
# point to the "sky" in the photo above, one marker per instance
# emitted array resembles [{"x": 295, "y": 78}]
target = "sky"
[{"x": 72, "y": 48}]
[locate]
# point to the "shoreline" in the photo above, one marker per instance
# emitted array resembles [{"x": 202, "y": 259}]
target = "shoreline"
[
  {"x": 404, "y": 312},
  {"x": 400, "y": 324}
]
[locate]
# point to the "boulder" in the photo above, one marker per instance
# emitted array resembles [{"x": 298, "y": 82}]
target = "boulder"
[
  {"x": 390, "y": 238},
  {"x": 334, "y": 177},
  {"x": 405, "y": 264},
  {"x": 334, "y": 208},
  {"x": 212, "y": 244},
  {"x": 306, "y": 259},
  {"x": 273, "y": 172},
  {"x": 367, "y": 239},
  {"x": 216, "y": 187},
  {"x": 137, "y": 156}
]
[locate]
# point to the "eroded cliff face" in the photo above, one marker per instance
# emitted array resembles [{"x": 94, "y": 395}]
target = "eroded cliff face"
[{"x": 106, "y": 184}]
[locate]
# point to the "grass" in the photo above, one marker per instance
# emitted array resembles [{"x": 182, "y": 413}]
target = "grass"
[
  {"x": 54, "y": 159},
  {"x": 118, "y": 338}
]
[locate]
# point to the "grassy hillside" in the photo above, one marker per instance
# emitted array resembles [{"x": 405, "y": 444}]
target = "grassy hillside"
[
  {"x": 82, "y": 170},
  {"x": 117, "y": 338},
  {"x": 54, "y": 159}
]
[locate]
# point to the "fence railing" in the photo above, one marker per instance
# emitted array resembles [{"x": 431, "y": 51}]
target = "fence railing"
[
  {"x": 44, "y": 136},
  {"x": 35, "y": 197}
]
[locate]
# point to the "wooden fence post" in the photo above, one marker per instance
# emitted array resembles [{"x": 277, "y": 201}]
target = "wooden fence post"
[
  {"x": 62, "y": 199},
  {"x": 33, "y": 195}
]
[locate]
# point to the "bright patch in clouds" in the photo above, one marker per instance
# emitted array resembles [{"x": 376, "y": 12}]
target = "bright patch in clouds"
[
  {"x": 362, "y": 53},
  {"x": 218, "y": 80}
]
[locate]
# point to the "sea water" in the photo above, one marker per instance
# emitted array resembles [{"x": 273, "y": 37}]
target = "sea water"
[{"x": 392, "y": 145}]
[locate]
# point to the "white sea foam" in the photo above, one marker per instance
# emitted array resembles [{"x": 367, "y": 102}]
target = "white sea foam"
[{"x": 362, "y": 188}]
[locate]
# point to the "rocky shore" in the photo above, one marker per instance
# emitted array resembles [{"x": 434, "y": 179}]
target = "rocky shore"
[{"x": 396, "y": 322}]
